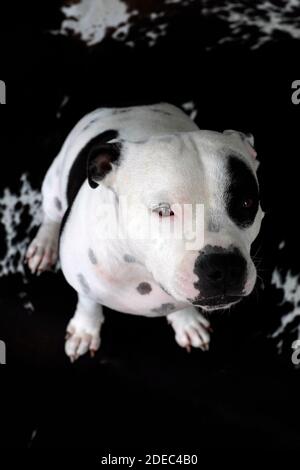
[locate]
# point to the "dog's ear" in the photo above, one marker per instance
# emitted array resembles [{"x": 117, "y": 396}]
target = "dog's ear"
[
  {"x": 101, "y": 161},
  {"x": 247, "y": 139}
]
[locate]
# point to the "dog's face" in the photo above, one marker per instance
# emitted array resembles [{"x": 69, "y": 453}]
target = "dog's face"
[{"x": 199, "y": 183}]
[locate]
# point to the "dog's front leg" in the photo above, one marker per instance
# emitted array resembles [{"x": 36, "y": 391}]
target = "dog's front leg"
[{"x": 83, "y": 330}]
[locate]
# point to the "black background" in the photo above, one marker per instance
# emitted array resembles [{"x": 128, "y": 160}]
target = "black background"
[{"x": 142, "y": 391}]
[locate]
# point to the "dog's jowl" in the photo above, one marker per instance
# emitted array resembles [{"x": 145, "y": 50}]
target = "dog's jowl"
[{"x": 116, "y": 208}]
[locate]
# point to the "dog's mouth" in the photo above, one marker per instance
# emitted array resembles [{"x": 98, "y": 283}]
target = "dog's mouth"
[{"x": 217, "y": 302}]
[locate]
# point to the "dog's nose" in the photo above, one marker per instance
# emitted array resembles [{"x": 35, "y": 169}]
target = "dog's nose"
[
  {"x": 222, "y": 268},
  {"x": 220, "y": 272}
]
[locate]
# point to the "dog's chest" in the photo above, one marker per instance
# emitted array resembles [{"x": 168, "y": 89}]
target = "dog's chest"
[{"x": 130, "y": 289}]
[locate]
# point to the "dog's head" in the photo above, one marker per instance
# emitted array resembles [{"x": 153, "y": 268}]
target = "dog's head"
[{"x": 190, "y": 210}]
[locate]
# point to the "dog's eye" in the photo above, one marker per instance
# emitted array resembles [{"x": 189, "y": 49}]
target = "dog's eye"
[
  {"x": 247, "y": 203},
  {"x": 164, "y": 210}
]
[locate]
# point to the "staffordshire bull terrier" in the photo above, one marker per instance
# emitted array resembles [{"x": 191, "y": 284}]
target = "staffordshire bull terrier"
[{"x": 160, "y": 165}]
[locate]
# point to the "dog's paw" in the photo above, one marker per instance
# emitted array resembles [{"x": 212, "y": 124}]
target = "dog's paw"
[
  {"x": 191, "y": 329},
  {"x": 80, "y": 339},
  {"x": 42, "y": 252},
  {"x": 41, "y": 255}
]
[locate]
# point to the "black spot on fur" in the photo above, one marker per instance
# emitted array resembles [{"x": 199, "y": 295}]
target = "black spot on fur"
[
  {"x": 129, "y": 259},
  {"x": 92, "y": 256},
  {"x": 164, "y": 309},
  {"x": 58, "y": 204},
  {"x": 144, "y": 288},
  {"x": 242, "y": 186},
  {"x": 83, "y": 283}
]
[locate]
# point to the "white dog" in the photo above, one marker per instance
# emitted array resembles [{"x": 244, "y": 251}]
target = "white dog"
[{"x": 162, "y": 165}]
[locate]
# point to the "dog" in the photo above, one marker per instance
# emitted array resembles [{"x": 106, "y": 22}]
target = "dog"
[{"x": 157, "y": 160}]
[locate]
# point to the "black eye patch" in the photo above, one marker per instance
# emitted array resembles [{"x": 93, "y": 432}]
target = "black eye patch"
[{"x": 241, "y": 194}]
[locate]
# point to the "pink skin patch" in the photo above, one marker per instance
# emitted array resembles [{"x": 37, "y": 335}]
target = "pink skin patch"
[
  {"x": 104, "y": 274},
  {"x": 251, "y": 150}
]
